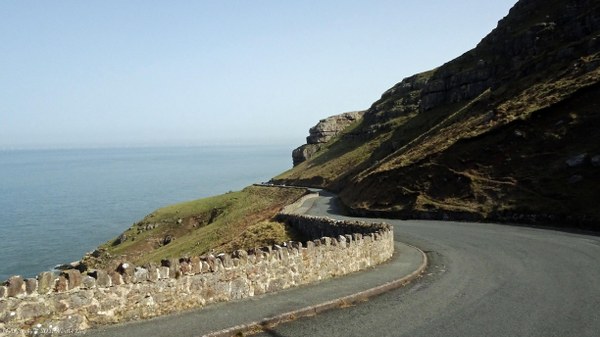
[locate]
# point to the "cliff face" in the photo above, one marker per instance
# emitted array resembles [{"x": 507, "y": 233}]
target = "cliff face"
[
  {"x": 534, "y": 36},
  {"x": 487, "y": 135},
  {"x": 322, "y": 133}
]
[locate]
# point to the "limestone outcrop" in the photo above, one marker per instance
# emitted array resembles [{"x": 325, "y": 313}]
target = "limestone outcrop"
[
  {"x": 304, "y": 152},
  {"x": 322, "y": 133},
  {"x": 331, "y": 126},
  {"x": 525, "y": 43}
]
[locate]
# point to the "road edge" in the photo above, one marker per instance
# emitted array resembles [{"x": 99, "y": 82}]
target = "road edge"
[{"x": 269, "y": 322}]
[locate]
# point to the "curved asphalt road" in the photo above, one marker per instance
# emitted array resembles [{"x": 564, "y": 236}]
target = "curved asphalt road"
[{"x": 483, "y": 280}]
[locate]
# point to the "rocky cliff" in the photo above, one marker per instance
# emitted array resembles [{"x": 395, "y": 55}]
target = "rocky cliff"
[
  {"x": 488, "y": 135},
  {"x": 322, "y": 133},
  {"x": 536, "y": 36}
]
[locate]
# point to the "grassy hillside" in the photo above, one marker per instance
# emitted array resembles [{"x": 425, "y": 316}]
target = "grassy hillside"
[
  {"x": 224, "y": 223},
  {"x": 491, "y": 135},
  {"x": 519, "y": 168}
]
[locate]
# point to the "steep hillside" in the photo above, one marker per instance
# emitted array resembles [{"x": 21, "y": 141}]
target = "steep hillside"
[{"x": 507, "y": 131}]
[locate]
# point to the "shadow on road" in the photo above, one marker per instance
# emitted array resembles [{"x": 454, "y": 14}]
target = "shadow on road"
[
  {"x": 334, "y": 206},
  {"x": 271, "y": 332}
]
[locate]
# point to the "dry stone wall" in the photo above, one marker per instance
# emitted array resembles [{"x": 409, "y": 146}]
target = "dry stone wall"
[{"x": 73, "y": 301}]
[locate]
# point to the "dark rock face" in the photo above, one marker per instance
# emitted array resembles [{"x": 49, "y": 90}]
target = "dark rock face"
[
  {"x": 304, "y": 152},
  {"x": 534, "y": 37},
  {"x": 402, "y": 99},
  {"x": 122, "y": 238},
  {"x": 323, "y": 132},
  {"x": 447, "y": 86},
  {"x": 167, "y": 239},
  {"x": 577, "y": 160}
]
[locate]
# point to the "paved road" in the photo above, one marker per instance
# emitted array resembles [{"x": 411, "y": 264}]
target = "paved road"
[{"x": 483, "y": 280}]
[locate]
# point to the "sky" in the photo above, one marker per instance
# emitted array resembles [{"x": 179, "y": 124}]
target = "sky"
[{"x": 167, "y": 73}]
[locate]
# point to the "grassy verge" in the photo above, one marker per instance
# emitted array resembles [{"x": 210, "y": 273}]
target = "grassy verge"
[{"x": 236, "y": 220}]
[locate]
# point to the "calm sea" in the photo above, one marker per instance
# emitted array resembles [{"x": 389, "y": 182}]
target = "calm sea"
[{"x": 56, "y": 205}]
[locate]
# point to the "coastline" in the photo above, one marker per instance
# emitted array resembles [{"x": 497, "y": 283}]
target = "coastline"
[{"x": 59, "y": 204}]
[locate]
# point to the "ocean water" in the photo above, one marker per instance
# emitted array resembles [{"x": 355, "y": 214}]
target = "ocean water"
[{"x": 56, "y": 205}]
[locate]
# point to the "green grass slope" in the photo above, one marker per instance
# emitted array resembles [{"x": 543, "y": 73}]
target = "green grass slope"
[{"x": 224, "y": 223}]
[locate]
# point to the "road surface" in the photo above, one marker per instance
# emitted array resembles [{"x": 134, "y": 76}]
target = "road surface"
[{"x": 483, "y": 280}]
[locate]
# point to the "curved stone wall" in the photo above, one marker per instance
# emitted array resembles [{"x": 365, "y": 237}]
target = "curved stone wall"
[{"x": 74, "y": 301}]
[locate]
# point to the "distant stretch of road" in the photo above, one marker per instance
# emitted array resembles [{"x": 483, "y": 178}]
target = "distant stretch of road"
[{"x": 483, "y": 280}]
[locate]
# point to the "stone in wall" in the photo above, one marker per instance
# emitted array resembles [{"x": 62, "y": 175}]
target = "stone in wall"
[
  {"x": 45, "y": 282},
  {"x": 15, "y": 286}
]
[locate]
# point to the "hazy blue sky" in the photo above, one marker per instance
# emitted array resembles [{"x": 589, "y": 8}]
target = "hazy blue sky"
[{"x": 110, "y": 73}]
